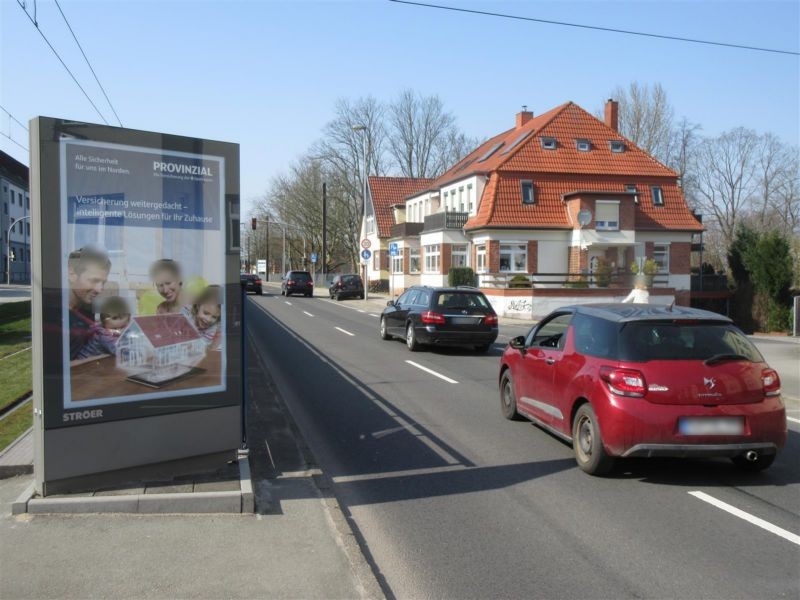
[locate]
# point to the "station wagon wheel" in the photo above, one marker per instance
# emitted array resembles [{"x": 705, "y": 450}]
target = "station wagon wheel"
[
  {"x": 411, "y": 338},
  {"x": 587, "y": 442},
  {"x": 384, "y": 334},
  {"x": 508, "y": 399}
]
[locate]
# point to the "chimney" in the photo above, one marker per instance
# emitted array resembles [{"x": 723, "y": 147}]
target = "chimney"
[
  {"x": 612, "y": 114},
  {"x": 524, "y": 116}
]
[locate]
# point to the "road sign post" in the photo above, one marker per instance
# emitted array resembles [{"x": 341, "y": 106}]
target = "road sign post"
[
  {"x": 366, "y": 254},
  {"x": 394, "y": 250}
]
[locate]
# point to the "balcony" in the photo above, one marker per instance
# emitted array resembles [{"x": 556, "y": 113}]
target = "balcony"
[
  {"x": 445, "y": 220},
  {"x": 403, "y": 230}
]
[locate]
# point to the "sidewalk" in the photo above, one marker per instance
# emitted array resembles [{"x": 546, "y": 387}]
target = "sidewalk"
[{"x": 298, "y": 543}]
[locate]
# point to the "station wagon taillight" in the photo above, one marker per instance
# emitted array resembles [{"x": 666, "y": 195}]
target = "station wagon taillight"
[
  {"x": 490, "y": 319},
  {"x": 432, "y": 318},
  {"x": 771, "y": 382},
  {"x": 624, "y": 382}
]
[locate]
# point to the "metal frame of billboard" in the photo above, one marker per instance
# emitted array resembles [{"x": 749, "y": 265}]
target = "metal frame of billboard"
[{"x": 136, "y": 312}]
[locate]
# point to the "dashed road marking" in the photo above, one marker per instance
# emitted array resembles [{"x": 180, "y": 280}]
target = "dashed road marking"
[
  {"x": 793, "y": 420},
  {"x": 305, "y": 312},
  {"x": 289, "y": 303},
  {"x": 345, "y": 331},
  {"x": 431, "y": 371},
  {"x": 787, "y": 535}
]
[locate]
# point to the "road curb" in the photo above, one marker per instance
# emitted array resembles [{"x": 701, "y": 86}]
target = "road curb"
[{"x": 219, "y": 502}]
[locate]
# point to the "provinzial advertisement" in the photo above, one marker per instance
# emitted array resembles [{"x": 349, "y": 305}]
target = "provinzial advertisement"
[{"x": 143, "y": 241}]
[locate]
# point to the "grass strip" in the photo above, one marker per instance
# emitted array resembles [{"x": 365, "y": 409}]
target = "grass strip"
[
  {"x": 15, "y": 335},
  {"x": 15, "y": 378},
  {"x": 9, "y": 310},
  {"x": 15, "y": 424}
]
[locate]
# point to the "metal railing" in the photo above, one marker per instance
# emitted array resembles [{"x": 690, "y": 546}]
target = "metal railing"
[
  {"x": 618, "y": 280},
  {"x": 445, "y": 220}
]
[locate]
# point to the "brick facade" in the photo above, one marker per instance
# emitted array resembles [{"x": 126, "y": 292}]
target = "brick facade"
[
  {"x": 533, "y": 257},
  {"x": 680, "y": 256},
  {"x": 493, "y": 256},
  {"x": 445, "y": 258}
]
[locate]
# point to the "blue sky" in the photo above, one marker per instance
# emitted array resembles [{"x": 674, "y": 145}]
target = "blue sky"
[{"x": 266, "y": 75}]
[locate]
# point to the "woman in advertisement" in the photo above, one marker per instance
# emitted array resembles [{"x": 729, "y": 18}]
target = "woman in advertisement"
[{"x": 166, "y": 276}]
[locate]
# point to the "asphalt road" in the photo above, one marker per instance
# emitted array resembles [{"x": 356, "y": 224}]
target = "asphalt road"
[{"x": 453, "y": 501}]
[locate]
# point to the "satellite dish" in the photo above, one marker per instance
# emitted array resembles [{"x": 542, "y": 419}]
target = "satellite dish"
[{"x": 584, "y": 217}]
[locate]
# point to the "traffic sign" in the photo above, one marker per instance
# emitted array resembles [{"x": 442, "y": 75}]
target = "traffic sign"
[
  {"x": 313, "y": 257},
  {"x": 394, "y": 250},
  {"x": 365, "y": 243},
  {"x": 366, "y": 254}
]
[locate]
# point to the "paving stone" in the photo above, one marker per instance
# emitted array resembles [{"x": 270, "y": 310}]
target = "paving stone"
[
  {"x": 183, "y": 488},
  {"x": 217, "y": 486}
]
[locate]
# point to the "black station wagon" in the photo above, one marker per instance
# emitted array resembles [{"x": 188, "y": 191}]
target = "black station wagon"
[{"x": 424, "y": 315}]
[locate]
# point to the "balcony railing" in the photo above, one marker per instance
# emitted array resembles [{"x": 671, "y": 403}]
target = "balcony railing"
[
  {"x": 445, "y": 220},
  {"x": 401, "y": 230},
  {"x": 709, "y": 283}
]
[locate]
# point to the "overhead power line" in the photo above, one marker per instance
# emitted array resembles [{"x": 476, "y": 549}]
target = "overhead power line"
[
  {"x": 13, "y": 141},
  {"x": 63, "y": 64},
  {"x": 595, "y": 27},
  {"x": 14, "y": 118},
  {"x": 87, "y": 62}
]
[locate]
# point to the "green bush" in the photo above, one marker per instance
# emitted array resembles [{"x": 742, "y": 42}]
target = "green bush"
[
  {"x": 460, "y": 276},
  {"x": 603, "y": 273},
  {"x": 580, "y": 283},
  {"x": 519, "y": 281}
]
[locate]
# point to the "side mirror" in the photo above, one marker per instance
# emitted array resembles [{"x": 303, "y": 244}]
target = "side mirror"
[
  {"x": 390, "y": 303},
  {"x": 518, "y": 343}
]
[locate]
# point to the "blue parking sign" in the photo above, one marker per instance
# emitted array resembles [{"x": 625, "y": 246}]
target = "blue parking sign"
[
  {"x": 313, "y": 257},
  {"x": 394, "y": 250}
]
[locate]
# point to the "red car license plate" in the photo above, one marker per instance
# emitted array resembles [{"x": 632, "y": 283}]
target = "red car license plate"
[{"x": 711, "y": 425}]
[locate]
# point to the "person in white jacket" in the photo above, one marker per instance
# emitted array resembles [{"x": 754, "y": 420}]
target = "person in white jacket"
[{"x": 639, "y": 293}]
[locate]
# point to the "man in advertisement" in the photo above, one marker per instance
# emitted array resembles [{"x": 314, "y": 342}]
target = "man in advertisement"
[{"x": 88, "y": 270}]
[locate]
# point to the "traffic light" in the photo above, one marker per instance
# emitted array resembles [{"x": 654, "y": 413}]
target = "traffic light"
[{"x": 253, "y": 223}]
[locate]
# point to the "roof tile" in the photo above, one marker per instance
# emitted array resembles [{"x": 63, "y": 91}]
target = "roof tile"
[{"x": 385, "y": 192}]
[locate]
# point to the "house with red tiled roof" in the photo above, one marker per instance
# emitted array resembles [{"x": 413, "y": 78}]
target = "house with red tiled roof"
[
  {"x": 553, "y": 210},
  {"x": 384, "y": 208}
]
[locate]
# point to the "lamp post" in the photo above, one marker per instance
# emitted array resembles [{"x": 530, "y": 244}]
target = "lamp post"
[
  {"x": 363, "y": 130},
  {"x": 8, "y": 247}
]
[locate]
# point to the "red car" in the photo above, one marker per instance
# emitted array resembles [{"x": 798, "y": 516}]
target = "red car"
[{"x": 625, "y": 380}]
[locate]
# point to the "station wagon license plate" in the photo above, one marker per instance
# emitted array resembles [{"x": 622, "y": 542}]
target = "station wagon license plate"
[
  {"x": 465, "y": 320},
  {"x": 711, "y": 425}
]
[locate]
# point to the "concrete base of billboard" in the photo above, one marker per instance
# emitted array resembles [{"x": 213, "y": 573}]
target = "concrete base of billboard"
[{"x": 205, "y": 495}]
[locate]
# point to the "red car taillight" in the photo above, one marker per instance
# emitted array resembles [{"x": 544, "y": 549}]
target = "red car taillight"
[
  {"x": 771, "y": 382},
  {"x": 490, "y": 319},
  {"x": 429, "y": 317},
  {"x": 624, "y": 382},
  {"x": 258, "y": 282},
  {"x": 290, "y": 282},
  {"x": 311, "y": 283}
]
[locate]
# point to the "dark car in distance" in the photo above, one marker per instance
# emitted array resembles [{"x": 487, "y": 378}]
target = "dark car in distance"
[
  {"x": 297, "y": 282},
  {"x": 251, "y": 283},
  {"x": 629, "y": 380},
  {"x": 346, "y": 286},
  {"x": 423, "y": 315}
]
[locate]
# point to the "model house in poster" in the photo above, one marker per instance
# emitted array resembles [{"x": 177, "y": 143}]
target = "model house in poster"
[{"x": 158, "y": 348}]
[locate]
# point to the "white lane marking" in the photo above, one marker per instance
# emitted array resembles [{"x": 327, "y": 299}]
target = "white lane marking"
[
  {"x": 289, "y": 303},
  {"x": 347, "y": 332},
  {"x": 787, "y": 535},
  {"x": 305, "y": 312},
  {"x": 793, "y": 420},
  {"x": 434, "y": 373},
  {"x": 398, "y": 474},
  {"x": 374, "y": 315},
  {"x": 361, "y": 311}
]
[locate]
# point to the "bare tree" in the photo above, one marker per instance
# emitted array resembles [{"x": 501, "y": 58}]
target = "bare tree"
[
  {"x": 726, "y": 179},
  {"x": 646, "y": 118}
]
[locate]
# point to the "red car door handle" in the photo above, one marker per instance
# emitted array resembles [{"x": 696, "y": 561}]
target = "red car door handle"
[{"x": 550, "y": 361}]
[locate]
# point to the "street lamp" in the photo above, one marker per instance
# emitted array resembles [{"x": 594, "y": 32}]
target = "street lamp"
[
  {"x": 363, "y": 130},
  {"x": 8, "y": 247}
]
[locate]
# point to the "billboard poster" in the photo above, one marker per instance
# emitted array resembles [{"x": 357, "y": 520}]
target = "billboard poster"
[{"x": 143, "y": 302}]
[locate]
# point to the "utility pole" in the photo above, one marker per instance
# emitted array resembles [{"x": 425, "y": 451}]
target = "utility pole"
[
  {"x": 267, "y": 257},
  {"x": 324, "y": 228}
]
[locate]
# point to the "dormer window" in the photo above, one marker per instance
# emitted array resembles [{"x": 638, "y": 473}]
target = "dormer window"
[
  {"x": 616, "y": 146},
  {"x": 631, "y": 189},
  {"x": 658, "y": 196},
  {"x": 583, "y": 145},
  {"x": 548, "y": 143},
  {"x": 528, "y": 197}
]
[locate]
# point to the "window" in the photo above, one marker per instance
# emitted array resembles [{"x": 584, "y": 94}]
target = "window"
[
  {"x": 446, "y": 201},
  {"x": 550, "y": 334},
  {"x": 397, "y": 262},
  {"x": 616, "y": 146},
  {"x": 376, "y": 263},
  {"x": 28, "y": 228},
  {"x": 5, "y": 208},
  {"x": 413, "y": 260},
  {"x": 513, "y": 258},
  {"x": 469, "y": 198},
  {"x": 583, "y": 145},
  {"x": 370, "y": 224},
  {"x": 661, "y": 256},
  {"x": 606, "y": 216},
  {"x": 480, "y": 258},
  {"x": 527, "y": 192},
  {"x": 461, "y": 199},
  {"x": 548, "y": 143},
  {"x": 458, "y": 255},
  {"x": 432, "y": 258},
  {"x": 27, "y": 202},
  {"x": 658, "y": 196},
  {"x": 630, "y": 187},
  {"x": 423, "y": 298}
]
